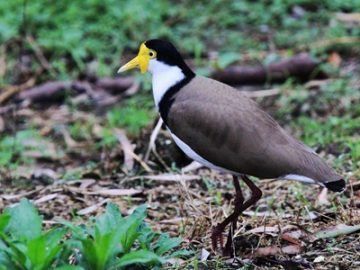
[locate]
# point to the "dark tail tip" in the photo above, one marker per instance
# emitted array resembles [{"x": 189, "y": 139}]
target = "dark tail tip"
[{"x": 337, "y": 186}]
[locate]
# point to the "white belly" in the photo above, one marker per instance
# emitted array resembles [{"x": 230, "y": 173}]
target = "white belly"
[{"x": 195, "y": 156}]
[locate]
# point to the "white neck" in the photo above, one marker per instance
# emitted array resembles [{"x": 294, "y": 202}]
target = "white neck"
[{"x": 163, "y": 77}]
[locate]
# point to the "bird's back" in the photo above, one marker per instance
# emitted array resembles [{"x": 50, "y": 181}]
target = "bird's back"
[{"x": 230, "y": 131}]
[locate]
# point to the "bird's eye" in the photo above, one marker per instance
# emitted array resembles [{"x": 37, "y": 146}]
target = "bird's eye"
[{"x": 152, "y": 54}]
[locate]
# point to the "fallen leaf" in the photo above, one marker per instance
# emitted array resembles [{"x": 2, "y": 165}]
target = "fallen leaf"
[
  {"x": 265, "y": 214},
  {"x": 193, "y": 166},
  {"x": 86, "y": 183},
  {"x": 167, "y": 177},
  {"x": 46, "y": 198},
  {"x": 340, "y": 229},
  {"x": 204, "y": 255},
  {"x": 274, "y": 250},
  {"x": 92, "y": 208},
  {"x": 21, "y": 195},
  {"x": 319, "y": 259},
  {"x": 291, "y": 239},
  {"x": 116, "y": 192},
  {"x": 264, "y": 229},
  {"x": 107, "y": 192}
]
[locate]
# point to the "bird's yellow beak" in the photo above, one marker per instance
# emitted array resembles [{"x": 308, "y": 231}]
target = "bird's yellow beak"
[{"x": 141, "y": 60}]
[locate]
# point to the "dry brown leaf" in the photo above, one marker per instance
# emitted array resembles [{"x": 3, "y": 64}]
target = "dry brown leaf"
[
  {"x": 264, "y": 229},
  {"x": 46, "y": 198},
  {"x": 274, "y": 250},
  {"x": 107, "y": 192},
  {"x": 340, "y": 229},
  {"x": 265, "y": 214},
  {"x": 168, "y": 177},
  {"x": 87, "y": 183},
  {"x": 117, "y": 192},
  {"x": 193, "y": 166},
  {"x": 19, "y": 196},
  {"x": 92, "y": 208},
  {"x": 288, "y": 237},
  {"x": 12, "y": 90}
]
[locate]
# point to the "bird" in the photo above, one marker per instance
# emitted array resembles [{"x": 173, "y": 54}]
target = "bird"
[{"x": 223, "y": 129}]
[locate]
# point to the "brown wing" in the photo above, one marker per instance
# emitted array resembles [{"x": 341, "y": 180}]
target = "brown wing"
[{"x": 231, "y": 131}]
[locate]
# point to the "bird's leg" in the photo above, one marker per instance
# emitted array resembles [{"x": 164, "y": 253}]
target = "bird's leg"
[
  {"x": 238, "y": 202},
  {"x": 255, "y": 196}
]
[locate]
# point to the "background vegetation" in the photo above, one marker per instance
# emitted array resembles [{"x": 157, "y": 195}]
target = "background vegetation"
[{"x": 70, "y": 152}]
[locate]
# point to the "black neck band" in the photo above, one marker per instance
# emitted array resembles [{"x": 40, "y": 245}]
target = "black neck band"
[{"x": 169, "y": 97}]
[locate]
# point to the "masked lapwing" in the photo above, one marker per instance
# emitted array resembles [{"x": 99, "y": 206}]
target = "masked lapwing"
[{"x": 223, "y": 129}]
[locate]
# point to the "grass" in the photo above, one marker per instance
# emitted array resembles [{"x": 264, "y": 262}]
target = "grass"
[
  {"x": 99, "y": 32},
  {"x": 134, "y": 115}
]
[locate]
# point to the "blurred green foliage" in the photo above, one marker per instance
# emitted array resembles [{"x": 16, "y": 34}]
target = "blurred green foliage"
[
  {"x": 13, "y": 147},
  {"x": 100, "y": 30},
  {"x": 134, "y": 115},
  {"x": 92, "y": 35}
]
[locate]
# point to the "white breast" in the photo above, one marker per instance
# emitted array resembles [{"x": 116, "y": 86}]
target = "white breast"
[{"x": 163, "y": 77}]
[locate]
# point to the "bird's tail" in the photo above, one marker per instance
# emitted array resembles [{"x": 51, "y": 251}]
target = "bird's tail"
[{"x": 336, "y": 186}]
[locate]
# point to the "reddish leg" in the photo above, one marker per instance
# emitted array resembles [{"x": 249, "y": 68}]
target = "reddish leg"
[
  {"x": 240, "y": 206},
  {"x": 238, "y": 203}
]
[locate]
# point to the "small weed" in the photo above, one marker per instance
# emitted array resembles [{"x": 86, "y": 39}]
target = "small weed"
[
  {"x": 80, "y": 131},
  {"x": 109, "y": 241},
  {"x": 23, "y": 244}
]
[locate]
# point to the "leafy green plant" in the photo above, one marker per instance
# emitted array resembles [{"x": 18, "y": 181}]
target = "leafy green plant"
[
  {"x": 112, "y": 241},
  {"x": 109, "y": 241},
  {"x": 23, "y": 244}
]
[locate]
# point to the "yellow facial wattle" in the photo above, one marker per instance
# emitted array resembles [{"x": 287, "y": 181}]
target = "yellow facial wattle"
[{"x": 141, "y": 60}]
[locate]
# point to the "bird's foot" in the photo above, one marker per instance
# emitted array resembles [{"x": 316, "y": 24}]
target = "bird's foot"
[
  {"x": 228, "y": 250},
  {"x": 217, "y": 237}
]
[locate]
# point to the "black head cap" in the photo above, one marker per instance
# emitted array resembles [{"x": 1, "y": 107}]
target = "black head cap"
[{"x": 168, "y": 54}]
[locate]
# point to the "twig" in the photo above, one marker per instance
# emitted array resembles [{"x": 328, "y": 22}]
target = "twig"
[
  {"x": 127, "y": 149},
  {"x": 12, "y": 90},
  {"x": 2, "y": 60}
]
